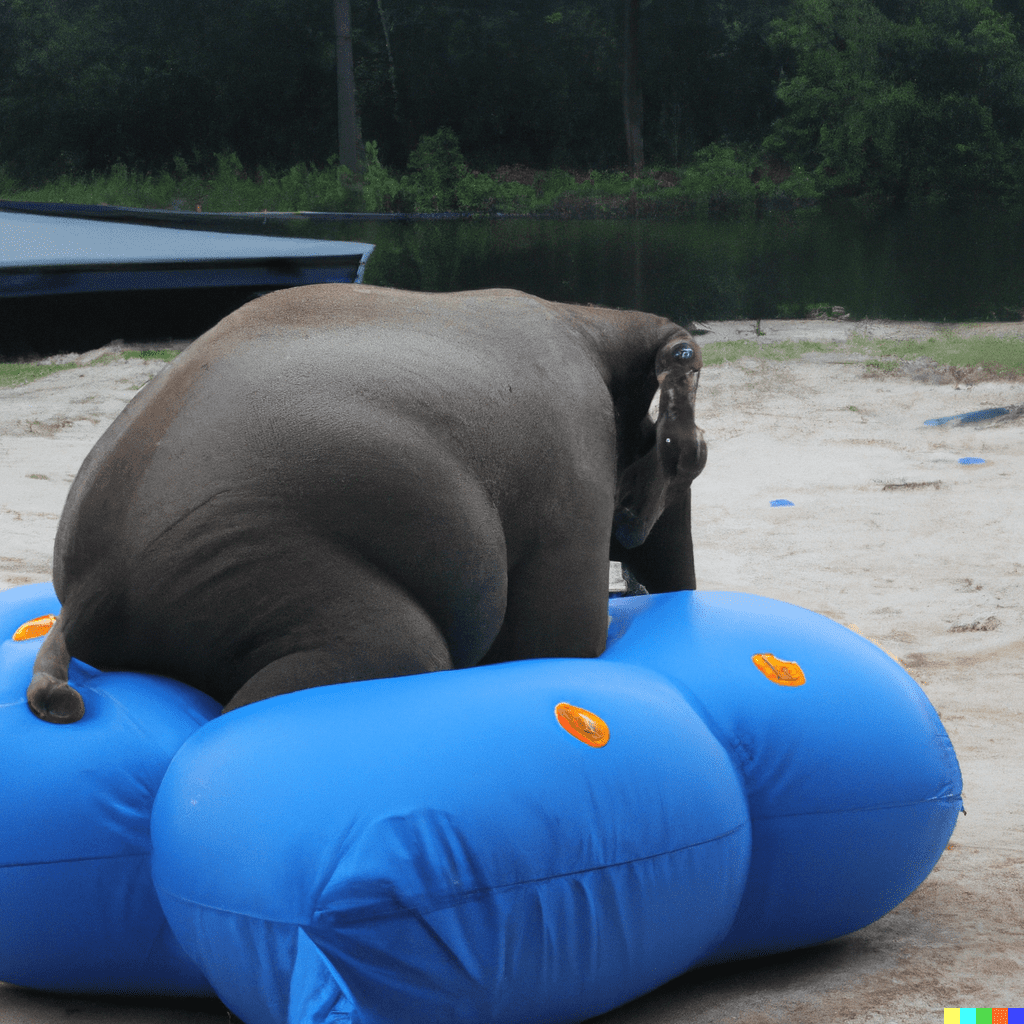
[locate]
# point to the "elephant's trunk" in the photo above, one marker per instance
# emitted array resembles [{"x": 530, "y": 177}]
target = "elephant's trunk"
[{"x": 673, "y": 461}]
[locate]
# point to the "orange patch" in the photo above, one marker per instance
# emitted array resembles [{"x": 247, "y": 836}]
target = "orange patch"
[
  {"x": 785, "y": 673},
  {"x": 34, "y": 628},
  {"x": 583, "y": 724}
]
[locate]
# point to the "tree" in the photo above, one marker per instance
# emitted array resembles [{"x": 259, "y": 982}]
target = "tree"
[
  {"x": 632, "y": 95},
  {"x": 902, "y": 102},
  {"x": 350, "y": 144}
]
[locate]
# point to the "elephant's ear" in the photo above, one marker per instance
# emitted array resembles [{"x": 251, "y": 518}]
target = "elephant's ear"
[{"x": 651, "y": 525}]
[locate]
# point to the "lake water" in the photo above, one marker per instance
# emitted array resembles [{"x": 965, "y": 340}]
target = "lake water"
[{"x": 933, "y": 265}]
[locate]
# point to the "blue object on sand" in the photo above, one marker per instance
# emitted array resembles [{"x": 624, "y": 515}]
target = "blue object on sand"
[
  {"x": 538, "y": 841},
  {"x": 968, "y": 417},
  {"x": 970, "y": 461},
  {"x": 779, "y": 502}
]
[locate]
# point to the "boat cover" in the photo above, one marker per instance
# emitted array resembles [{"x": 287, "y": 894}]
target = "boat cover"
[{"x": 52, "y": 255}]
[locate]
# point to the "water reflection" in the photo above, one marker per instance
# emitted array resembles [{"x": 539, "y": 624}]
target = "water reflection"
[{"x": 932, "y": 265}]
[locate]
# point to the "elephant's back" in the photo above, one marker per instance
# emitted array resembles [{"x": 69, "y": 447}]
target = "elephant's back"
[
  {"x": 434, "y": 438},
  {"x": 313, "y": 386},
  {"x": 493, "y": 380}
]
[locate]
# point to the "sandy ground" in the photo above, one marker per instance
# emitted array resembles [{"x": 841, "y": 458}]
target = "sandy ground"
[{"x": 887, "y": 531}]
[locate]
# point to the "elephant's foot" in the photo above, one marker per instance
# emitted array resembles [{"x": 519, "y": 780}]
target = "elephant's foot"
[
  {"x": 634, "y": 588},
  {"x": 54, "y": 701}
]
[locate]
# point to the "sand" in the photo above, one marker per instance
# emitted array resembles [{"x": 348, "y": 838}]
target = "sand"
[{"x": 887, "y": 532}]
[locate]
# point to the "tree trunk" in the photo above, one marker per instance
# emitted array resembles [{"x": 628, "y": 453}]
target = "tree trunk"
[
  {"x": 632, "y": 97},
  {"x": 350, "y": 146},
  {"x": 391, "y": 59}
]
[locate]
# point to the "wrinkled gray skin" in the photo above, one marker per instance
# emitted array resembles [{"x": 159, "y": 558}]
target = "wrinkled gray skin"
[{"x": 343, "y": 482}]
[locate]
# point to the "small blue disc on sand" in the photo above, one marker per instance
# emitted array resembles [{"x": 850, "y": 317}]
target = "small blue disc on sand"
[
  {"x": 971, "y": 461},
  {"x": 782, "y": 501}
]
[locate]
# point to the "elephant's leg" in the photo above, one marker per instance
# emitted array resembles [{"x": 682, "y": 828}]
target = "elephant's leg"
[
  {"x": 664, "y": 562},
  {"x": 49, "y": 695},
  {"x": 557, "y": 607},
  {"x": 376, "y": 630}
]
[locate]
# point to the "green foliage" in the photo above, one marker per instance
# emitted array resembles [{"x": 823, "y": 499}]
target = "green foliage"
[
  {"x": 380, "y": 190},
  {"x": 719, "y": 178},
  {"x": 229, "y": 189},
  {"x": 14, "y": 374},
  {"x": 751, "y": 348},
  {"x": 93, "y": 82},
  {"x": 439, "y": 181},
  {"x": 89, "y": 83},
  {"x": 748, "y": 104},
  {"x": 719, "y": 181},
  {"x": 436, "y": 167},
  {"x": 553, "y": 184},
  {"x": 480, "y": 193},
  {"x": 165, "y": 355},
  {"x": 925, "y": 103}
]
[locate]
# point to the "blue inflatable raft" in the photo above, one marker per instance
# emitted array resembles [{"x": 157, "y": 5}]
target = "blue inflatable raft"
[{"x": 530, "y": 842}]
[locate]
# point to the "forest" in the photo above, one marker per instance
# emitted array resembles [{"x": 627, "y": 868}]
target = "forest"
[{"x": 895, "y": 102}]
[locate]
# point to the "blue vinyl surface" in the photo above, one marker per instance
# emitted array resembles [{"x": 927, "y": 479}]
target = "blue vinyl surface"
[
  {"x": 78, "y": 912},
  {"x": 734, "y": 776},
  {"x": 44, "y": 255}
]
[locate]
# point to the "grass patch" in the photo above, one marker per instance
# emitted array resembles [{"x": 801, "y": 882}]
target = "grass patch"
[
  {"x": 999, "y": 354},
  {"x": 163, "y": 354},
  {"x": 14, "y": 374},
  {"x": 752, "y": 348}
]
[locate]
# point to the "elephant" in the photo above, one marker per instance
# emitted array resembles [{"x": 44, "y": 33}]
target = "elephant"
[{"x": 344, "y": 482}]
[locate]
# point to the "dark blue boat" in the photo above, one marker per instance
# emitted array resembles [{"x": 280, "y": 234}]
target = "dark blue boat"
[
  {"x": 83, "y": 280},
  {"x": 46, "y": 255}
]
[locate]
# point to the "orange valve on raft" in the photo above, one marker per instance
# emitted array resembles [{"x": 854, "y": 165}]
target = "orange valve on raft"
[
  {"x": 582, "y": 724},
  {"x": 35, "y": 628},
  {"x": 785, "y": 673}
]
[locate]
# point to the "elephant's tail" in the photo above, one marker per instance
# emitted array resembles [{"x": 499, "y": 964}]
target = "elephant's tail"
[{"x": 49, "y": 695}]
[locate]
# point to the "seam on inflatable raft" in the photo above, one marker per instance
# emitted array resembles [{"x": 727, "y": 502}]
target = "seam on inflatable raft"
[
  {"x": 455, "y": 899},
  {"x": 857, "y": 810},
  {"x": 77, "y": 860}
]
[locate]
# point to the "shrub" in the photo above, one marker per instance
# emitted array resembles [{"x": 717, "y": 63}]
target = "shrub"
[
  {"x": 436, "y": 167},
  {"x": 380, "y": 190}
]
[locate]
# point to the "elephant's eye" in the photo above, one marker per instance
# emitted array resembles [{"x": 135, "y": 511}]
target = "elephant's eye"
[{"x": 681, "y": 353}]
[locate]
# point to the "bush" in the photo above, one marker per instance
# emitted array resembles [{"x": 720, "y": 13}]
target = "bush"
[
  {"x": 230, "y": 188},
  {"x": 720, "y": 180},
  {"x": 380, "y": 190},
  {"x": 436, "y": 167},
  {"x": 480, "y": 193}
]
